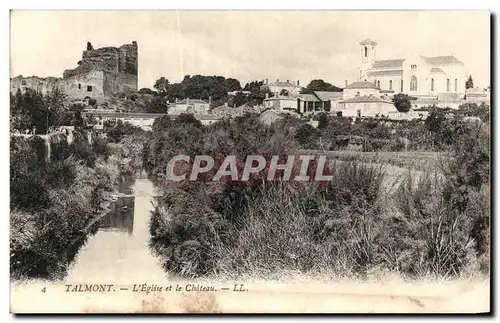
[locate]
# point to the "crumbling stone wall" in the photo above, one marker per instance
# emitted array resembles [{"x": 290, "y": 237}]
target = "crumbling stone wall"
[
  {"x": 42, "y": 85},
  {"x": 100, "y": 73},
  {"x": 108, "y": 59}
]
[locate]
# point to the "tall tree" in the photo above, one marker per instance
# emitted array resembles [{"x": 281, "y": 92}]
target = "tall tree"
[
  {"x": 233, "y": 85},
  {"x": 320, "y": 85},
  {"x": 402, "y": 102},
  {"x": 469, "y": 84},
  {"x": 161, "y": 85}
]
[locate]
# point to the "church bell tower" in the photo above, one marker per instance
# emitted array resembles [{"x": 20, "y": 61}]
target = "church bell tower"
[{"x": 367, "y": 58}]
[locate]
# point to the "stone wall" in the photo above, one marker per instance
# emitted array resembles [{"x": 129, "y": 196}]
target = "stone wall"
[
  {"x": 100, "y": 73},
  {"x": 79, "y": 86},
  {"x": 109, "y": 59},
  {"x": 39, "y": 84}
]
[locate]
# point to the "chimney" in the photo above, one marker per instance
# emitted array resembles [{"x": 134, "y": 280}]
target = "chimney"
[
  {"x": 210, "y": 100},
  {"x": 225, "y": 104},
  {"x": 288, "y": 81},
  {"x": 176, "y": 100},
  {"x": 187, "y": 101},
  {"x": 267, "y": 95},
  {"x": 266, "y": 81},
  {"x": 345, "y": 83},
  {"x": 298, "y": 82},
  {"x": 277, "y": 80}
]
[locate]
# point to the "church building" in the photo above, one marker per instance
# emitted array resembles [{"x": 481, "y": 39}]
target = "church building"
[{"x": 415, "y": 75}]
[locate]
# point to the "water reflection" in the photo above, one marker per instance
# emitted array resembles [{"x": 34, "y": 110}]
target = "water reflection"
[
  {"x": 120, "y": 217},
  {"x": 125, "y": 183}
]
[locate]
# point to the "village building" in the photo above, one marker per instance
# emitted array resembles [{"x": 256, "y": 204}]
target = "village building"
[
  {"x": 363, "y": 99},
  {"x": 194, "y": 106},
  {"x": 318, "y": 101},
  {"x": 416, "y": 75},
  {"x": 280, "y": 87},
  {"x": 100, "y": 73},
  {"x": 230, "y": 112}
]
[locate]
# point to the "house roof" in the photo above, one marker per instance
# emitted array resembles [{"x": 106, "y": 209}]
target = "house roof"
[
  {"x": 284, "y": 84},
  {"x": 364, "y": 99},
  {"x": 436, "y": 70},
  {"x": 280, "y": 97},
  {"x": 442, "y": 60},
  {"x": 386, "y": 73},
  {"x": 309, "y": 98},
  {"x": 328, "y": 95},
  {"x": 389, "y": 63},
  {"x": 361, "y": 85},
  {"x": 367, "y": 41}
]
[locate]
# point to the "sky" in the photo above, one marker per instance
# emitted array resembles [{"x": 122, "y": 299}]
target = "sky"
[{"x": 248, "y": 45}]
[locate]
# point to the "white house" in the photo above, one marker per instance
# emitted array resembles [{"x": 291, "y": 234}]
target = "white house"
[
  {"x": 362, "y": 88},
  {"x": 293, "y": 89},
  {"x": 189, "y": 106},
  {"x": 365, "y": 106}
]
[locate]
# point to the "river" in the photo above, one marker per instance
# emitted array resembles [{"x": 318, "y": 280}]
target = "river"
[{"x": 118, "y": 252}]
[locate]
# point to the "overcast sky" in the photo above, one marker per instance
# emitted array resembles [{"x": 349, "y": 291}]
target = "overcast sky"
[{"x": 248, "y": 45}]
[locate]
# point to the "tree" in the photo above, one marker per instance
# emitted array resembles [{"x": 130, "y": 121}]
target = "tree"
[
  {"x": 320, "y": 85},
  {"x": 469, "y": 84},
  {"x": 402, "y": 102},
  {"x": 161, "y": 85},
  {"x": 284, "y": 92},
  {"x": 322, "y": 121},
  {"x": 257, "y": 92},
  {"x": 239, "y": 99},
  {"x": 233, "y": 85}
]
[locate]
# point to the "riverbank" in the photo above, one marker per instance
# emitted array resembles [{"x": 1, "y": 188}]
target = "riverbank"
[{"x": 52, "y": 202}]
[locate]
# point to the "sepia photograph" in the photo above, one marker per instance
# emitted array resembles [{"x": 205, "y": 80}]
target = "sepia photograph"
[{"x": 250, "y": 161}]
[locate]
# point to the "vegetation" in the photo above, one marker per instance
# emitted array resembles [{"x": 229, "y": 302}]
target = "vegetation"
[
  {"x": 53, "y": 199},
  {"x": 320, "y": 85},
  {"x": 436, "y": 224},
  {"x": 469, "y": 84},
  {"x": 402, "y": 102}
]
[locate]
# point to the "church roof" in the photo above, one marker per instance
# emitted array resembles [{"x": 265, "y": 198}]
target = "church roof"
[
  {"x": 389, "y": 63},
  {"x": 361, "y": 85},
  {"x": 441, "y": 60},
  {"x": 436, "y": 70},
  {"x": 386, "y": 73}
]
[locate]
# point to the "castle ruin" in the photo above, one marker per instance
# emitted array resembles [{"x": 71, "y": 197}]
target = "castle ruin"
[{"x": 100, "y": 73}]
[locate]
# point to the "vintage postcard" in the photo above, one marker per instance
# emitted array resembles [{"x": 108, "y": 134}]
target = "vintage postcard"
[{"x": 250, "y": 161}]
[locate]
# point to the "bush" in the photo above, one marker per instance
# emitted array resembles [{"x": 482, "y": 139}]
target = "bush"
[{"x": 52, "y": 200}]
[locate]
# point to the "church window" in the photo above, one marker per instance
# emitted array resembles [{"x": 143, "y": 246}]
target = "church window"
[
  {"x": 366, "y": 51},
  {"x": 390, "y": 85},
  {"x": 413, "y": 83},
  {"x": 79, "y": 86},
  {"x": 447, "y": 85},
  {"x": 432, "y": 85},
  {"x": 456, "y": 85},
  {"x": 378, "y": 84},
  {"x": 413, "y": 66}
]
